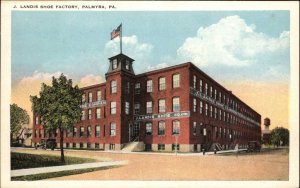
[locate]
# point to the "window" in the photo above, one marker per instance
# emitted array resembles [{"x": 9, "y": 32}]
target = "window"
[
  {"x": 211, "y": 91},
  {"x": 224, "y": 116},
  {"x": 206, "y": 109},
  {"x": 136, "y": 108},
  {"x": 215, "y": 94},
  {"x": 176, "y": 127},
  {"x": 161, "y": 128},
  {"x": 195, "y": 105},
  {"x": 175, "y": 147},
  {"x": 201, "y": 107},
  {"x": 113, "y": 107},
  {"x": 74, "y": 132},
  {"x": 160, "y": 147},
  {"x": 97, "y": 131},
  {"x": 98, "y": 113},
  {"x": 90, "y": 97},
  {"x": 216, "y": 113},
  {"x": 206, "y": 89},
  {"x": 127, "y": 108},
  {"x": 81, "y": 145},
  {"x": 69, "y": 132},
  {"x": 194, "y": 128},
  {"x": 148, "y": 128},
  {"x": 161, "y": 105},
  {"x": 149, "y": 107},
  {"x": 40, "y": 133},
  {"x": 67, "y": 145},
  {"x": 88, "y": 145},
  {"x": 83, "y": 98},
  {"x": 111, "y": 146},
  {"x": 137, "y": 88},
  {"x": 176, "y": 104},
  {"x": 82, "y": 115},
  {"x": 90, "y": 113},
  {"x": 220, "y": 96},
  {"x": 194, "y": 81},
  {"x": 127, "y": 65},
  {"x": 74, "y": 145},
  {"x": 220, "y": 114},
  {"x": 112, "y": 129},
  {"x": 97, "y": 146},
  {"x": 149, "y": 86},
  {"x": 162, "y": 83},
  {"x": 89, "y": 131},
  {"x": 115, "y": 64},
  {"x": 99, "y": 95},
  {"x": 113, "y": 86},
  {"x": 36, "y": 120},
  {"x": 127, "y": 87},
  {"x": 176, "y": 80},
  {"x": 81, "y": 131},
  {"x": 200, "y": 86}
]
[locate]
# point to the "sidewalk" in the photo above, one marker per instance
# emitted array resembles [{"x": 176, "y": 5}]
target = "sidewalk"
[
  {"x": 149, "y": 152},
  {"x": 33, "y": 171}
]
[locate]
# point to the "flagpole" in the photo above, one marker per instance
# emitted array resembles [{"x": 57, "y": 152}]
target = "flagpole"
[{"x": 121, "y": 38}]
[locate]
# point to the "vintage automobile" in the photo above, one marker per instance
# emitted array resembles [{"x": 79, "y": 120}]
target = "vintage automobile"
[
  {"x": 46, "y": 144},
  {"x": 253, "y": 146}
]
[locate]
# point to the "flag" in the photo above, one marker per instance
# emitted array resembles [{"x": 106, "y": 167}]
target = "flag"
[{"x": 116, "y": 32}]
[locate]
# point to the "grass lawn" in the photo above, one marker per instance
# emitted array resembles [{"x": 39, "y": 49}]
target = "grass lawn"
[{"x": 23, "y": 160}]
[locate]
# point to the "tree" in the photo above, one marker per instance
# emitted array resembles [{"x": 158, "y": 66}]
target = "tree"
[
  {"x": 18, "y": 118},
  {"x": 58, "y": 106},
  {"x": 280, "y": 136}
]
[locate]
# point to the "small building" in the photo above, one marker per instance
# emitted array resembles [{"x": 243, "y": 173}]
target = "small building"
[
  {"x": 175, "y": 108},
  {"x": 266, "y": 133}
]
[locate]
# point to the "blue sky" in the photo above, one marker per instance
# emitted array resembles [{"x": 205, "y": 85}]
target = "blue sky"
[{"x": 78, "y": 43}]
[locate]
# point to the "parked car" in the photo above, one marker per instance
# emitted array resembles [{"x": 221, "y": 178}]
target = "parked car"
[
  {"x": 46, "y": 144},
  {"x": 253, "y": 146}
]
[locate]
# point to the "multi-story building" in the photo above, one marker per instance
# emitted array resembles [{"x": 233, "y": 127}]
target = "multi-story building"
[{"x": 174, "y": 108}]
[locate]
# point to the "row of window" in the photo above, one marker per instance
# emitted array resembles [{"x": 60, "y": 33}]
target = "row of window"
[
  {"x": 161, "y": 106},
  {"x": 216, "y": 113},
  {"x": 90, "y": 97},
  {"x": 97, "y": 114},
  {"x": 213, "y": 93},
  {"x": 162, "y": 128},
  {"x": 161, "y": 84}
]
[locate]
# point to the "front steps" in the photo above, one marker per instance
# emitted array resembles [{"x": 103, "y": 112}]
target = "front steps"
[{"x": 134, "y": 146}]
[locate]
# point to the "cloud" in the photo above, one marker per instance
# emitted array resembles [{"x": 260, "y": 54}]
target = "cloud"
[
  {"x": 90, "y": 80},
  {"x": 230, "y": 42},
  {"x": 158, "y": 66},
  {"x": 131, "y": 46}
]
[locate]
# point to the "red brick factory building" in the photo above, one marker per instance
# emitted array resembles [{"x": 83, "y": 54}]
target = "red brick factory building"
[{"x": 175, "y": 108}]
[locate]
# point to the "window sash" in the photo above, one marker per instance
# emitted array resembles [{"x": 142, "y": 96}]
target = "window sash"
[
  {"x": 162, "y": 106},
  {"x": 161, "y": 128},
  {"x": 149, "y": 86},
  {"x": 113, "y": 86},
  {"x": 176, "y": 80},
  {"x": 149, "y": 107},
  {"x": 113, "y": 107},
  {"x": 176, "y": 104},
  {"x": 162, "y": 83}
]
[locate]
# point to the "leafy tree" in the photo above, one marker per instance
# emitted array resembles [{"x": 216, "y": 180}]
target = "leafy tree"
[
  {"x": 18, "y": 118},
  {"x": 58, "y": 106},
  {"x": 280, "y": 134}
]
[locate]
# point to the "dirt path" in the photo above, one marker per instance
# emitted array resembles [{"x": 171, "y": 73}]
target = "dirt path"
[{"x": 265, "y": 166}]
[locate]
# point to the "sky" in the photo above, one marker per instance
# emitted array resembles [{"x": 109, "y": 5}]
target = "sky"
[{"x": 246, "y": 51}]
